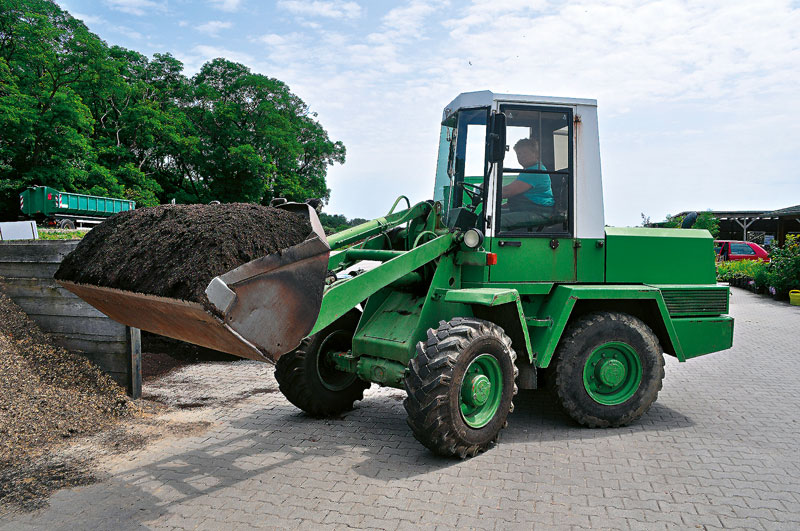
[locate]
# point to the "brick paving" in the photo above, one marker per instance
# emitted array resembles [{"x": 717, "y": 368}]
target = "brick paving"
[{"x": 720, "y": 449}]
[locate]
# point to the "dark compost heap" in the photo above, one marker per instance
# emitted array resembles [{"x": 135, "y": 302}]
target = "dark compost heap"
[{"x": 176, "y": 250}]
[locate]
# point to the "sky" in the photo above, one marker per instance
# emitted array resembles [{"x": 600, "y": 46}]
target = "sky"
[{"x": 697, "y": 100}]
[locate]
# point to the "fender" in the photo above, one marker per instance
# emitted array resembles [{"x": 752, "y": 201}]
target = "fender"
[
  {"x": 559, "y": 306},
  {"x": 501, "y": 306}
]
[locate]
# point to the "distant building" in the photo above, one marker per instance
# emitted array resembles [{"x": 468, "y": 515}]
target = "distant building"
[{"x": 753, "y": 225}]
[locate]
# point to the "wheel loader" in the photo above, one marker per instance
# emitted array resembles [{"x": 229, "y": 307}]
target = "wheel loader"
[{"x": 506, "y": 278}]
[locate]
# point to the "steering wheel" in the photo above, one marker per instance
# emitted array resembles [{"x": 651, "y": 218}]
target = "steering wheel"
[{"x": 473, "y": 191}]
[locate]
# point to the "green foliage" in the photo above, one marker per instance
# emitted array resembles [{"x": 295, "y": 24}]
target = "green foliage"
[
  {"x": 784, "y": 266},
  {"x": 704, "y": 221},
  {"x": 81, "y": 116},
  {"x": 333, "y": 223},
  {"x": 58, "y": 234},
  {"x": 741, "y": 269}
]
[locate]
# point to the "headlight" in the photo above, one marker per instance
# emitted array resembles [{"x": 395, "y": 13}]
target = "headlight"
[{"x": 473, "y": 238}]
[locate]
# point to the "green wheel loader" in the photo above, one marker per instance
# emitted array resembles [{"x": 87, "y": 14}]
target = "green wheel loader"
[{"x": 507, "y": 278}]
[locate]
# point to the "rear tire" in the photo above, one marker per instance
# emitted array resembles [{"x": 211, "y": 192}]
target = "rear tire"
[
  {"x": 310, "y": 383},
  {"x": 66, "y": 224},
  {"x": 460, "y": 387},
  {"x": 609, "y": 369}
]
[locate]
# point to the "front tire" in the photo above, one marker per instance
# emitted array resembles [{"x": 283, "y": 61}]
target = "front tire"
[
  {"x": 460, "y": 387},
  {"x": 309, "y": 382},
  {"x": 608, "y": 369}
]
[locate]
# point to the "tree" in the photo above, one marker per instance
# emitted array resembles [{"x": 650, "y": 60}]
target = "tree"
[
  {"x": 333, "y": 223},
  {"x": 705, "y": 220},
  {"x": 140, "y": 124},
  {"x": 45, "y": 124},
  {"x": 80, "y": 116},
  {"x": 257, "y": 140}
]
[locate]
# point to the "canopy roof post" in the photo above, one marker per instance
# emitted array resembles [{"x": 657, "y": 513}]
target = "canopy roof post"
[{"x": 745, "y": 226}]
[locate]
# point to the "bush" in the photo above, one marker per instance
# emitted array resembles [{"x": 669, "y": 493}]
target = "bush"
[
  {"x": 745, "y": 270},
  {"x": 784, "y": 268},
  {"x": 761, "y": 276}
]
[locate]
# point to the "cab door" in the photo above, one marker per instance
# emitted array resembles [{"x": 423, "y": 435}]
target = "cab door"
[
  {"x": 533, "y": 260},
  {"x": 533, "y": 231}
]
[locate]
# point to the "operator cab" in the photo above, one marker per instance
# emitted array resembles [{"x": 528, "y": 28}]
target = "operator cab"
[{"x": 520, "y": 166}]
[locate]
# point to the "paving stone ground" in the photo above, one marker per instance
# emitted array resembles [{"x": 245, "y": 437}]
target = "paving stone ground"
[{"x": 720, "y": 449}]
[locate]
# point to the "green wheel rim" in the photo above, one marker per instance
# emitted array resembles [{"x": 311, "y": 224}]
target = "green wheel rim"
[
  {"x": 481, "y": 391},
  {"x": 613, "y": 373},
  {"x": 330, "y": 377}
]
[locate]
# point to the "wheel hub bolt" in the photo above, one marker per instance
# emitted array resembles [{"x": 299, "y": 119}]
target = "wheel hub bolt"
[
  {"x": 477, "y": 390},
  {"x": 611, "y": 372}
]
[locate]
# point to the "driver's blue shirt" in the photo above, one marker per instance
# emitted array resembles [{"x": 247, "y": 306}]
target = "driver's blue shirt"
[{"x": 540, "y": 192}]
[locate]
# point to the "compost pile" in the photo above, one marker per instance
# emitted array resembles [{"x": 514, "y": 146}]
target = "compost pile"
[
  {"x": 176, "y": 250},
  {"x": 47, "y": 394}
]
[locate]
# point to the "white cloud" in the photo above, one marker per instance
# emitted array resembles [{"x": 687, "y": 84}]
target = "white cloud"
[
  {"x": 627, "y": 53},
  {"x": 213, "y": 27},
  {"x": 201, "y": 54},
  {"x": 335, "y": 9},
  {"x": 128, "y": 32},
  {"x": 309, "y": 24},
  {"x": 183, "y": 23},
  {"x": 89, "y": 19},
  {"x": 230, "y": 6},
  {"x": 272, "y": 39},
  {"x": 100, "y": 21},
  {"x": 409, "y": 18},
  {"x": 136, "y": 7}
]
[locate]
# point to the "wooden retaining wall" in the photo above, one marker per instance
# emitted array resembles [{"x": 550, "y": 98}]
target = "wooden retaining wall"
[{"x": 27, "y": 276}]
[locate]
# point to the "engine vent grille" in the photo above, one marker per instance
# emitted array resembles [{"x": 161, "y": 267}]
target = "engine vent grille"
[{"x": 696, "y": 301}]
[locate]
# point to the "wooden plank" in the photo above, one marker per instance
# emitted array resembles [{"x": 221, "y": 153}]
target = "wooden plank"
[
  {"x": 117, "y": 348},
  {"x": 34, "y": 287},
  {"x": 109, "y": 362},
  {"x": 96, "y": 326},
  {"x": 135, "y": 365},
  {"x": 91, "y": 337},
  {"x": 69, "y": 307},
  {"x": 28, "y": 269},
  {"x": 41, "y": 252}
]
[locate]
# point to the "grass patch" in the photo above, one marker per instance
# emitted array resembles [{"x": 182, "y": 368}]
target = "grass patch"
[{"x": 60, "y": 234}]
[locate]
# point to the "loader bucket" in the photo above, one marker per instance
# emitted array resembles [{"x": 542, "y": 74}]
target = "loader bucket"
[{"x": 261, "y": 309}]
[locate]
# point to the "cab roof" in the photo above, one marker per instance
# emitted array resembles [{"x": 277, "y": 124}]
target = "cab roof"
[{"x": 485, "y": 98}]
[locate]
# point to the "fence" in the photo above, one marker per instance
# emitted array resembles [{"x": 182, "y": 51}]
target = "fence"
[{"x": 27, "y": 270}]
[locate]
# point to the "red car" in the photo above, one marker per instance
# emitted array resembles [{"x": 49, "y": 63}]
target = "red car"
[{"x": 738, "y": 250}]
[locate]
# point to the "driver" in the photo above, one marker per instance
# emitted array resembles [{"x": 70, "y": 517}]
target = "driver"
[
  {"x": 530, "y": 195},
  {"x": 534, "y": 188}
]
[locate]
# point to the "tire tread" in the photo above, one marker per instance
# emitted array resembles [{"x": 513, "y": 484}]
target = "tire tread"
[
  {"x": 568, "y": 358},
  {"x": 293, "y": 375},
  {"x": 428, "y": 384}
]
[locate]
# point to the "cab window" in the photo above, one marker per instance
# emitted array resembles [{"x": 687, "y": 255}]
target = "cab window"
[
  {"x": 537, "y": 174},
  {"x": 465, "y": 197}
]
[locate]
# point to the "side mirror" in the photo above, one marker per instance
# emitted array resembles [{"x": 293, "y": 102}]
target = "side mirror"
[{"x": 496, "y": 140}]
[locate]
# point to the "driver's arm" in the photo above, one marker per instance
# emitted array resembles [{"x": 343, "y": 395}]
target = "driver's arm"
[{"x": 515, "y": 187}]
